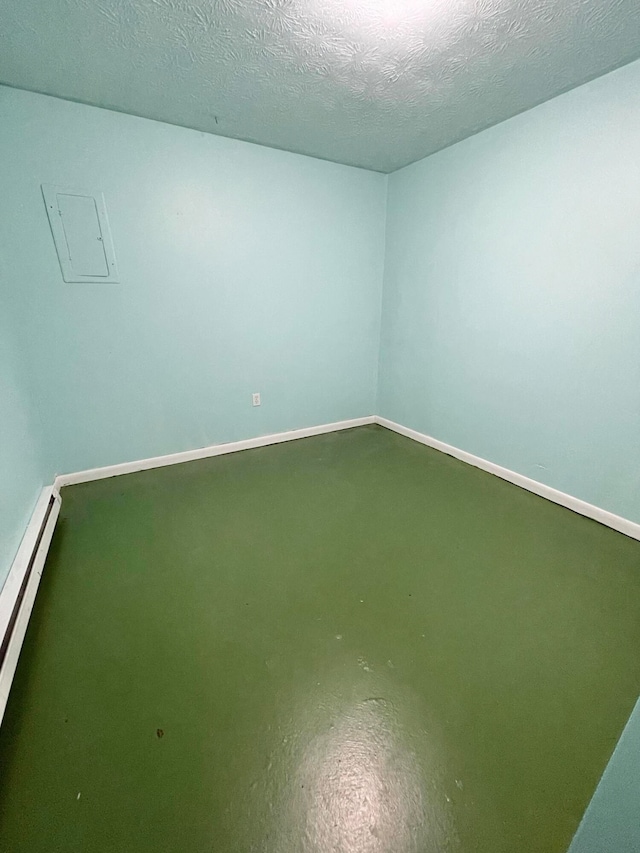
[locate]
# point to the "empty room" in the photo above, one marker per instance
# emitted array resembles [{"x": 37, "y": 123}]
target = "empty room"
[{"x": 319, "y": 426}]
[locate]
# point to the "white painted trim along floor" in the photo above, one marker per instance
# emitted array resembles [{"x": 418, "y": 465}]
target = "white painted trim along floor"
[
  {"x": 13, "y": 583},
  {"x": 205, "y": 452},
  {"x": 623, "y": 525},
  {"x": 32, "y": 553}
]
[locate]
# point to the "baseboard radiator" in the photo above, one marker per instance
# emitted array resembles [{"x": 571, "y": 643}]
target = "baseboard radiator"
[{"x": 19, "y": 591}]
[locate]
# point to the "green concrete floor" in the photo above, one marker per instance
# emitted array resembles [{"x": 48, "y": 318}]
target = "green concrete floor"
[{"x": 345, "y": 644}]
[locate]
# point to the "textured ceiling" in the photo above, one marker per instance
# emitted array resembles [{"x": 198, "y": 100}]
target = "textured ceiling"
[{"x": 373, "y": 83}]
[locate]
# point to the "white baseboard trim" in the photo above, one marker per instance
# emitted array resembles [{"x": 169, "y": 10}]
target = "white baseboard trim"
[
  {"x": 19, "y": 591},
  {"x": 623, "y": 525},
  {"x": 18, "y": 594},
  {"x": 205, "y": 452}
]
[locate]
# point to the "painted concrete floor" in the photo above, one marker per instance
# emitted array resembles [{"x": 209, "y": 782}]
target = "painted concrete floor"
[{"x": 345, "y": 644}]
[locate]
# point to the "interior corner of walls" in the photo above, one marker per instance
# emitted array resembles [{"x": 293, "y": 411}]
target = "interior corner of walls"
[
  {"x": 17, "y": 523},
  {"x": 468, "y": 354},
  {"x": 383, "y": 285},
  {"x": 21, "y": 453}
]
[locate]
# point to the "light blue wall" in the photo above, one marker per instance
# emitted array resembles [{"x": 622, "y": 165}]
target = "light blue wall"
[
  {"x": 243, "y": 269},
  {"x": 512, "y": 294},
  {"x": 21, "y": 464},
  {"x": 612, "y": 821}
]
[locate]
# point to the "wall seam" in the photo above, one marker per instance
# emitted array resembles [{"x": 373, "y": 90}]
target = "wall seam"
[{"x": 376, "y": 407}]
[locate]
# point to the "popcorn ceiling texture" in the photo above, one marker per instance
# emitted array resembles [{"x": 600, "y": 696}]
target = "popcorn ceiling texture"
[{"x": 372, "y": 83}]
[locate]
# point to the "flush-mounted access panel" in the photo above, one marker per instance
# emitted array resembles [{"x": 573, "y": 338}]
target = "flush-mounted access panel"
[{"x": 80, "y": 229}]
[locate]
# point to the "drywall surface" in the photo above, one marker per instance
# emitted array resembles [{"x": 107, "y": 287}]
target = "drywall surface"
[
  {"x": 611, "y": 821},
  {"x": 242, "y": 269},
  {"x": 21, "y": 467},
  {"x": 512, "y": 294}
]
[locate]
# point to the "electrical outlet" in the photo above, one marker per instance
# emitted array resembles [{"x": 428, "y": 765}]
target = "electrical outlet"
[{"x": 255, "y": 399}]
